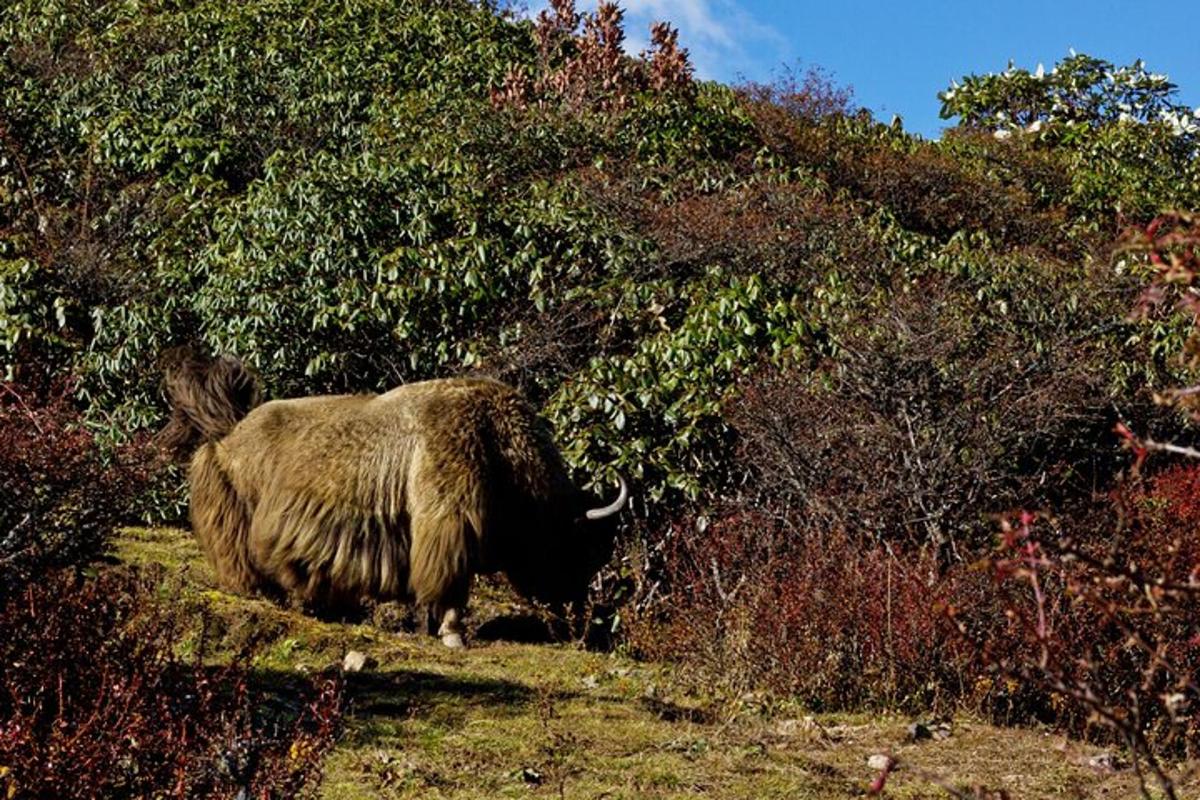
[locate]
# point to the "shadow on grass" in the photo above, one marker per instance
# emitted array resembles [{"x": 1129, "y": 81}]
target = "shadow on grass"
[
  {"x": 398, "y": 692},
  {"x": 375, "y": 702},
  {"x": 539, "y": 629},
  {"x": 519, "y": 629},
  {"x": 378, "y": 702}
]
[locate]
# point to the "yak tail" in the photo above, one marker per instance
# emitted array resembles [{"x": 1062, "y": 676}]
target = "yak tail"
[{"x": 208, "y": 397}]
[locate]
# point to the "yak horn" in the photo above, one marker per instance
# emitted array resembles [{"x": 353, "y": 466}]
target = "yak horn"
[{"x": 615, "y": 506}]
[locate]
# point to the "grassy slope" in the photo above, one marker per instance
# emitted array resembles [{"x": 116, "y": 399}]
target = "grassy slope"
[{"x": 517, "y": 720}]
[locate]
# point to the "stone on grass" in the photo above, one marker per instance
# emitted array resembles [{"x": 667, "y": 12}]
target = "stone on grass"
[
  {"x": 357, "y": 661},
  {"x": 1105, "y": 762},
  {"x": 920, "y": 731},
  {"x": 880, "y": 762}
]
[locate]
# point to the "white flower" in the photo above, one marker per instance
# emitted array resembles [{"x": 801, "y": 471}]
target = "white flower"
[{"x": 1180, "y": 123}]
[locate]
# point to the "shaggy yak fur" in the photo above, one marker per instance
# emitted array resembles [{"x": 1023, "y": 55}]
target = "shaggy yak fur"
[{"x": 330, "y": 501}]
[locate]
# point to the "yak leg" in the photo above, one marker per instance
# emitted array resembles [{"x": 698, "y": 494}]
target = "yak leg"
[
  {"x": 444, "y": 616},
  {"x": 444, "y": 619},
  {"x": 440, "y": 574},
  {"x": 221, "y": 522},
  {"x": 451, "y": 629}
]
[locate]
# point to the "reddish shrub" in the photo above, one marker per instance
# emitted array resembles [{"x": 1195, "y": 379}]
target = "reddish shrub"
[
  {"x": 1169, "y": 505},
  {"x": 758, "y": 602},
  {"x": 1041, "y": 174},
  {"x": 932, "y": 192},
  {"x": 925, "y": 185},
  {"x": 1098, "y": 629},
  {"x": 790, "y": 234},
  {"x": 1095, "y": 635},
  {"x": 94, "y": 702},
  {"x": 587, "y": 69},
  {"x": 63, "y": 496},
  {"x": 812, "y": 95}
]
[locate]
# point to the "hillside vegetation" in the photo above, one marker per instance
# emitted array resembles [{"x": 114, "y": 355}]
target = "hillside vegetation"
[
  {"x": 829, "y": 355},
  {"x": 349, "y": 198}
]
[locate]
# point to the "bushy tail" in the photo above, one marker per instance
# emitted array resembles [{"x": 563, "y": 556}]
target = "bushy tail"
[{"x": 208, "y": 397}]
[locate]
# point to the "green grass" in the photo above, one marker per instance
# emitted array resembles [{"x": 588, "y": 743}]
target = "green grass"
[{"x": 552, "y": 720}]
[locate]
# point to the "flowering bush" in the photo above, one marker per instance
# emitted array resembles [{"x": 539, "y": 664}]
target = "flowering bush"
[
  {"x": 1130, "y": 146},
  {"x": 1080, "y": 90}
]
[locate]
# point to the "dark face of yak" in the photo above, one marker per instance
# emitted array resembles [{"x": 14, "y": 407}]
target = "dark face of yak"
[{"x": 569, "y": 558}]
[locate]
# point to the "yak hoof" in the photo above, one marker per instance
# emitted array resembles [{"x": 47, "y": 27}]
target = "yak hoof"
[{"x": 453, "y": 640}]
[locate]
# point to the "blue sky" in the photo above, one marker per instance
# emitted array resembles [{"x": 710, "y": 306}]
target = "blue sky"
[{"x": 898, "y": 55}]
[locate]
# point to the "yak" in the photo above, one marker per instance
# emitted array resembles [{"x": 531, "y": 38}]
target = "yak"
[{"x": 330, "y": 501}]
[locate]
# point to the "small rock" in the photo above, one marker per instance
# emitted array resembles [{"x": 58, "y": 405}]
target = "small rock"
[
  {"x": 1104, "y": 762},
  {"x": 590, "y": 682},
  {"x": 357, "y": 661},
  {"x": 880, "y": 762}
]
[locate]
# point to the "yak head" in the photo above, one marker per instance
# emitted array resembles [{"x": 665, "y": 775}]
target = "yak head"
[{"x": 558, "y": 566}]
